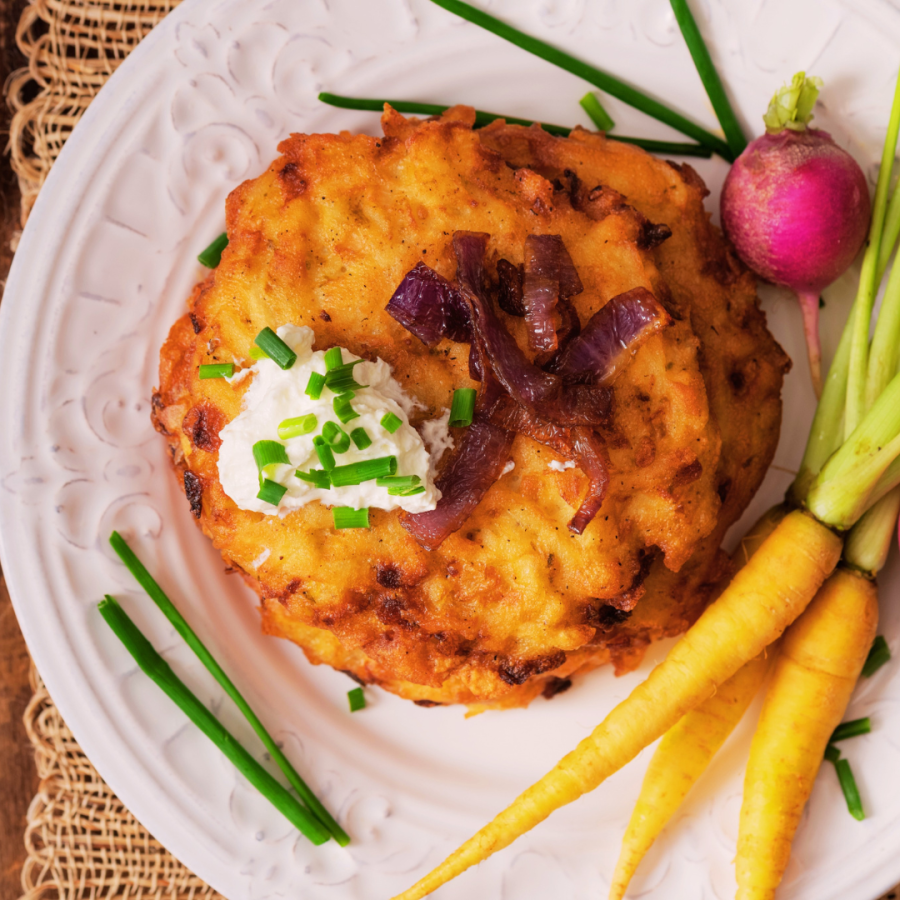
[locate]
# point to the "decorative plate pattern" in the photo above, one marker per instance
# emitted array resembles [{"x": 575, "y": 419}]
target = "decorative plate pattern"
[{"x": 104, "y": 267}]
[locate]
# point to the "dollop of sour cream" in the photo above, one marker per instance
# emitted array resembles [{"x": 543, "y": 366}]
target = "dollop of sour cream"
[{"x": 277, "y": 394}]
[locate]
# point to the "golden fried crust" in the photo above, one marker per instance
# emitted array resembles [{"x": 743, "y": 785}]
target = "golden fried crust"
[{"x": 512, "y": 600}]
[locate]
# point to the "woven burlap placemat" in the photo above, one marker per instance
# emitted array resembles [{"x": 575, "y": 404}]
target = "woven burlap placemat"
[{"x": 82, "y": 843}]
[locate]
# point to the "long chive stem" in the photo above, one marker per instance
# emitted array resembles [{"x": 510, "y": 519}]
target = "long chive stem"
[
  {"x": 674, "y": 148},
  {"x": 826, "y": 431},
  {"x": 868, "y": 286},
  {"x": 890, "y": 234},
  {"x": 734, "y": 134},
  {"x": 871, "y": 538},
  {"x": 597, "y": 114},
  {"x": 169, "y": 610},
  {"x": 879, "y": 654},
  {"x": 159, "y": 671},
  {"x": 841, "y": 493},
  {"x": 851, "y": 791},
  {"x": 600, "y": 79},
  {"x": 884, "y": 351},
  {"x": 851, "y": 729}
]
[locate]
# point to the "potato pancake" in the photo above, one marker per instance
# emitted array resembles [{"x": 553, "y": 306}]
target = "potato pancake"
[{"x": 513, "y": 603}]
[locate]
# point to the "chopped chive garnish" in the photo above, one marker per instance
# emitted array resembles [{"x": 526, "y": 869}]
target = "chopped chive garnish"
[
  {"x": 401, "y": 481},
  {"x": 258, "y": 353},
  {"x": 405, "y": 492},
  {"x": 323, "y": 451},
  {"x": 734, "y": 134},
  {"x": 365, "y": 470},
  {"x": 217, "y": 370},
  {"x": 361, "y": 438},
  {"x": 212, "y": 255},
  {"x": 832, "y": 753},
  {"x": 357, "y": 699},
  {"x": 317, "y": 477},
  {"x": 600, "y": 79},
  {"x": 297, "y": 427},
  {"x": 343, "y": 409},
  {"x": 390, "y": 422},
  {"x": 269, "y": 453},
  {"x": 276, "y": 349},
  {"x": 336, "y": 437},
  {"x": 851, "y": 791},
  {"x": 333, "y": 359},
  {"x": 271, "y": 492},
  {"x": 878, "y": 656},
  {"x": 598, "y": 115},
  {"x": 160, "y": 672},
  {"x": 170, "y": 611},
  {"x": 315, "y": 385},
  {"x": 341, "y": 380},
  {"x": 462, "y": 408},
  {"x": 674, "y": 148},
  {"x": 346, "y": 517},
  {"x": 854, "y": 728}
]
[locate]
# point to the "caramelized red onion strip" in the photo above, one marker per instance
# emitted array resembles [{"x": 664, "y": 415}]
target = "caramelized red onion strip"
[
  {"x": 428, "y": 306},
  {"x": 477, "y": 462},
  {"x": 541, "y": 393},
  {"x": 549, "y": 281},
  {"x": 611, "y": 338}
]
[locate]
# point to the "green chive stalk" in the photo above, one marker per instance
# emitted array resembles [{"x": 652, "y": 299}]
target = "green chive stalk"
[
  {"x": 868, "y": 285},
  {"x": 159, "y": 671},
  {"x": 169, "y": 610},
  {"x": 597, "y": 114},
  {"x": 597, "y": 77},
  {"x": 674, "y": 148},
  {"x": 734, "y": 134}
]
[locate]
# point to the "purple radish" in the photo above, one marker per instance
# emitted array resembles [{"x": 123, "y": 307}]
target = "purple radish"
[{"x": 796, "y": 206}]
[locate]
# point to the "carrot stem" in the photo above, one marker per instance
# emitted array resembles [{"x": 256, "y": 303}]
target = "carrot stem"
[
  {"x": 868, "y": 285},
  {"x": 870, "y": 539}
]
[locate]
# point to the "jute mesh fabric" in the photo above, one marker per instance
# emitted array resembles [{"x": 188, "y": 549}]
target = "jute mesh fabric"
[
  {"x": 82, "y": 843},
  {"x": 72, "y": 48}
]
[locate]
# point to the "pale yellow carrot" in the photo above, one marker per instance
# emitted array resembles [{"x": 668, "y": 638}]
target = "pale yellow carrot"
[
  {"x": 821, "y": 657},
  {"x": 687, "y": 749},
  {"x": 762, "y": 600},
  {"x": 680, "y": 759}
]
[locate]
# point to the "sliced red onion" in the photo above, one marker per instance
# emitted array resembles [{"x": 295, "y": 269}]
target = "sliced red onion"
[
  {"x": 510, "y": 295},
  {"x": 541, "y": 393},
  {"x": 427, "y": 305},
  {"x": 549, "y": 276},
  {"x": 477, "y": 462},
  {"x": 611, "y": 337}
]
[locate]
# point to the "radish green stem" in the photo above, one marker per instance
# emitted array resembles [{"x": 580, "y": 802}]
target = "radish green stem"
[
  {"x": 600, "y": 79},
  {"x": 598, "y": 115},
  {"x": 870, "y": 539},
  {"x": 868, "y": 286},
  {"x": 734, "y": 134},
  {"x": 170, "y": 611},
  {"x": 884, "y": 352},
  {"x": 159, "y": 671},
  {"x": 482, "y": 118},
  {"x": 840, "y": 494}
]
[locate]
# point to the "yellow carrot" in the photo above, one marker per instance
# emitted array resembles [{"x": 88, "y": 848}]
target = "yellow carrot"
[
  {"x": 680, "y": 759},
  {"x": 762, "y": 600},
  {"x": 821, "y": 657},
  {"x": 687, "y": 749}
]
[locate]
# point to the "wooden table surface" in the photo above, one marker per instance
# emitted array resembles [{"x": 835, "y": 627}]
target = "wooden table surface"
[{"x": 18, "y": 777}]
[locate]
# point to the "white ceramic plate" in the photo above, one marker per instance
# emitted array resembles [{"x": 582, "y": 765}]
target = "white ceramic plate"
[{"x": 104, "y": 268}]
